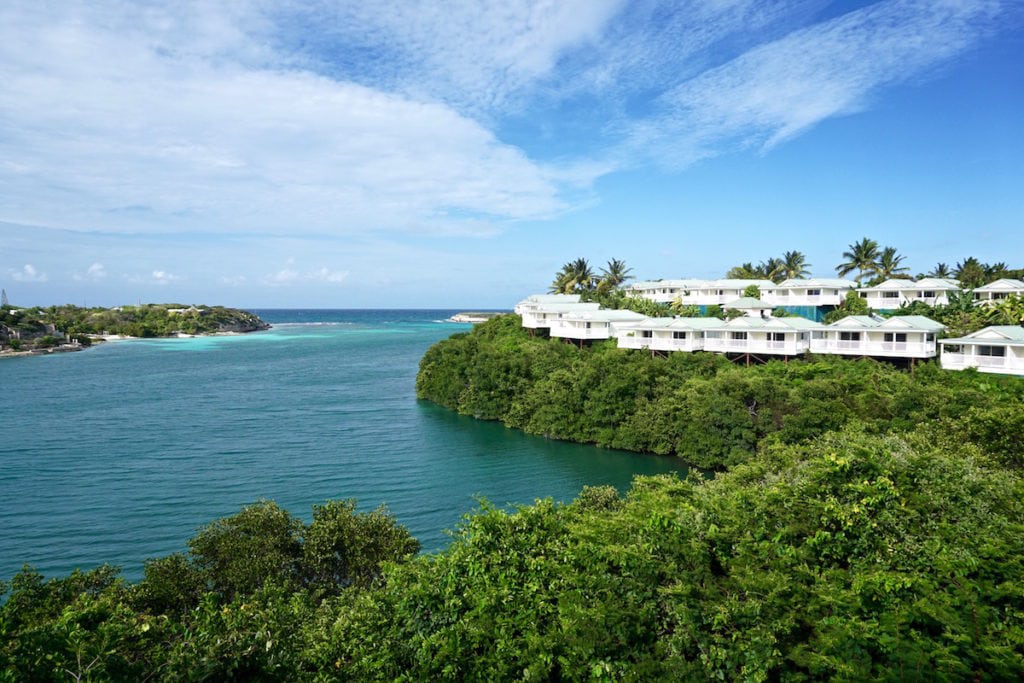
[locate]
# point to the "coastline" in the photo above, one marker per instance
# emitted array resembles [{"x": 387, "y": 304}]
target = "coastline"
[{"x": 106, "y": 338}]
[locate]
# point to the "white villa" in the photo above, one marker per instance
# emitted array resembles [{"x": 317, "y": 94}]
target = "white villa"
[
  {"x": 998, "y": 349},
  {"x": 893, "y": 293},
  {"x": 592, "y": 324},
  {"x": 695, "y": 292},
  {"x": 798, "y": 292},
  {"x": 666, "y": 334},
  {"x": 762, "y": 336},
  {"x": 1000, "y": 289},
  {"x": 750, "y": 307},
  {"x": 542, "y": 310},
  {"x": 902, "y": 336},
  {"x": 666, "y": 291}
]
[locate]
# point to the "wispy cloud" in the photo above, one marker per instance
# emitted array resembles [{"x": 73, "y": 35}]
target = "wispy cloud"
[
  {"x": 28, "y": 273},
  {"x": 95, "y": 273},
  {"x": 778, "y": 90},
  {"x": 290, "y": 275},
  {"x": 122, "y": 118},
  {"x": 156, "y": 277}
]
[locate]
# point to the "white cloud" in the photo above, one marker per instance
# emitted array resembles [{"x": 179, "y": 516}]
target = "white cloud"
[
  {"x": 28, "y": 273},
  {"x": 289, "y": 276},
  {"x": 156, "y": 277},
  {"x": 780, "y": 89},
  {"x": 132, "y": 118}
]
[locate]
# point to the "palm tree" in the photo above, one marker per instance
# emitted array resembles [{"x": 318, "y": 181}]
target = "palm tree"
[
  {"x": 614, "y": 274},
  {"x": 795, "y": 265},
  {"x": 574, "y": 276},
  {"x": 940, "y": 270},
  {"x": 888, "y": 264},
  {"x": 970, "y": 272},
  {"x": 773, "y": 269},
  {"x": 995, "y": 271},
  {"x": 744, "y": 271},
  {"x": 862, "y": 257}
]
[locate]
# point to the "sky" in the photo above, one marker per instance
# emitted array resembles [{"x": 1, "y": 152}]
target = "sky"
[{"x": 420, "y": 154}]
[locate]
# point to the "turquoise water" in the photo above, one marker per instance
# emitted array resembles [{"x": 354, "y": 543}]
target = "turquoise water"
[{"x": 119, "y": 453}]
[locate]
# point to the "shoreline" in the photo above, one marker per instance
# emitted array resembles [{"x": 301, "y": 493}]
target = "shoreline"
[{"x": 106, "y": 338}]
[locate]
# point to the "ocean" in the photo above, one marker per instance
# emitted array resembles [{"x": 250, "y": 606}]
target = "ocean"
[{"x": 121, "y": 452}]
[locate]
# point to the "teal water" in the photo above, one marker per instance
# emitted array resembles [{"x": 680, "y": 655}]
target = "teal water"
[{"x": 119, "y": 453}]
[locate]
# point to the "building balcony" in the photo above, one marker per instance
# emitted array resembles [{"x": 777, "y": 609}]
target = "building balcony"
[{"x": 870, "y": 348}]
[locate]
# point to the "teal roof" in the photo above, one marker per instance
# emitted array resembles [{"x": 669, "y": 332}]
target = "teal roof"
[{"x": 747, "y": 303}]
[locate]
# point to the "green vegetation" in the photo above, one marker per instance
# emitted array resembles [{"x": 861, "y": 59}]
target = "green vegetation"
[
  {"x": 48, "y": 327},
  {"x": 698, "y": 406},
  {"x": 793, "y": 264},
  {"x": 577, "y": 277},
  {"x": 852, "y": 556}
]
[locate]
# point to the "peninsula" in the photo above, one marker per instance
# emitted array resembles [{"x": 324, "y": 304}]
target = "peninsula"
[{"x": 72, "y": 328}]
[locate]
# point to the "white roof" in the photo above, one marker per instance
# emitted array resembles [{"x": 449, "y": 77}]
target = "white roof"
[
  {"x": 918, "y": 323},
  {"x": 609, "y": 316},
  {"x": 816, "y": 283},
  {"x": 938, "y": 283},
  {"x": 566, "y": 308},
  {"x": 1002, "y": 285},
  {"x": 793, "y": 324},
  {"x": 551, "y": 299},
  {"x": 1010, "y": 335}
]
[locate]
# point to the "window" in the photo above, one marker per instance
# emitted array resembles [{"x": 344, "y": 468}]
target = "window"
[
  {"x": 813, "y": 292},
  {"x": 999, "y": 351},
  {"x": 896, "y": 337},
  {"x": 777, "y": 336},
  {"x": 928, "y": 295},
  {"x": 588, "y": 326},
  {"x": 930, "y": 337},
  {"x": 849, "y": 336},
  {"x": 998, "y": 295},
  {"x": 952, "y": 348},
  {"x": 890, "y": 295},
  {"x": 679, "y": 335},
  {"x": 863, "y": 295},
  {"x": 738, "y": 335},
  {"x": 646, "y": 334}
]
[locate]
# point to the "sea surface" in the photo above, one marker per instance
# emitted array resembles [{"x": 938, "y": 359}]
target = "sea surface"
[{"x": 119, "y": 453}]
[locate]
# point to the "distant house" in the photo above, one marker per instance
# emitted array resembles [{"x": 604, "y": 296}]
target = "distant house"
[
  {"x": 749, "y": 307},
  {"x": 891, "y": 294},
  {"x": 1000, "y": 289},
  {"x": 666, "y": 334},
  {"x": 811, "y": 298},
  {"x": 998, "y": 349},
  {"x": 592, "y": 324},
  {"x": 666, "y": 291},
  {"x": 901, "y": 336},
  {"x": 762, "y": 336},
  {"x": 540, "y": 311}
]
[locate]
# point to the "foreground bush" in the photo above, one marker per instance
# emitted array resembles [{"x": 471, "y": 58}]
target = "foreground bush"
[{"x": 849, "y": 557}]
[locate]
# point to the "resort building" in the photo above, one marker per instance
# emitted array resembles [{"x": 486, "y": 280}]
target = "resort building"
[
  {"x": 545, "y": 315},
  {"x": 762, "y": 336},
  {"x": 666, "y": 291},
  {"x": 749, "y": 307},
  {"x": 695, "y": 292},
  {"x": 901, "y": 336},
  {"x": 891, "y": 294},
  {"x": 811, "y": 298},
  {"x": 1000, "y": 289},
  {"x": 666, "y": 334},
  {"x": 998, "y": 349},
  {"x": 592, "y": 324}
]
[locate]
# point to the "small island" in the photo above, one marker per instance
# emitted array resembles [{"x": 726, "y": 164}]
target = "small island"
[{"x": 54, "y": 329}]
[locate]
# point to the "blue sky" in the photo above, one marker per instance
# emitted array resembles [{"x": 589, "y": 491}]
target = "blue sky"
[{"x": 425, "y": 154}]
